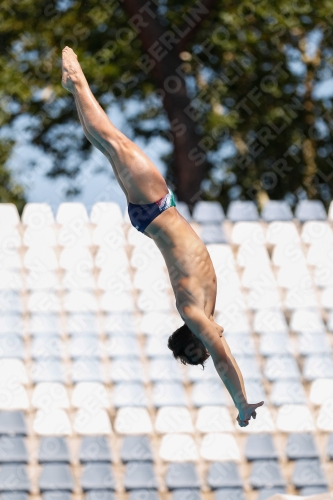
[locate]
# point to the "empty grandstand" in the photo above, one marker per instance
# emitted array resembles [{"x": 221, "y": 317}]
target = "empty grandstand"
[{"x": 93, "y": 406}]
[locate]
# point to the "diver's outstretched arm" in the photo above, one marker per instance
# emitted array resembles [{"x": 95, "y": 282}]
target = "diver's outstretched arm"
[{"x": 224, "y": 362}]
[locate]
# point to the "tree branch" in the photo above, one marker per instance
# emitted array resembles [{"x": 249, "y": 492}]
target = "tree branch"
[
  {"x": 143, "y": 15},
  {"x": 148, "y": 27},
  {"x": 208, "y": 5},
  {"x": 189, "y": 160}
]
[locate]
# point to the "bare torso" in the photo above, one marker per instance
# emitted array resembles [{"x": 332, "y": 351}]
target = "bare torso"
[{"x": 190, "y": 268}]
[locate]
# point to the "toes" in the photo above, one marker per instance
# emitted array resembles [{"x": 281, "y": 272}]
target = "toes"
[{"x": 68, "y": 50}]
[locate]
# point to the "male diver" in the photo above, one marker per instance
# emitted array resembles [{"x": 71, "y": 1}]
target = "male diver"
[{"x": 152, "y": 211}]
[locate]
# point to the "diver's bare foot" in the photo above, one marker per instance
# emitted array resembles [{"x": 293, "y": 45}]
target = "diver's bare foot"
[{"x": 71, "y": 69}]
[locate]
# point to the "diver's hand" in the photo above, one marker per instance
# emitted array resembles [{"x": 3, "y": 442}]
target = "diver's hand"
[{"x": 246, "y": 412}]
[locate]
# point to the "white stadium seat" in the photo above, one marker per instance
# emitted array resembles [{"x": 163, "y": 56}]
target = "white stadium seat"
[
  {"x": 320, "y": 254},
  {"x": 92, "y": 421},
  {"x": 111, "y": 238},
  {"x": 8, "y": 215},
  {"x": 263, "y": 298},
  {"x": 106, "y": 214},
  {"x": 294, "y": 418},
  {"x": 252, "y": 254},
  {"x": 281, "y": 367},
  {"x": 13, "y": 396},
  {"x": 127, "y": 370},
  {"x": 178, "y": 448},
  {"x": 74, "y": 236},
  {"x": 80, "y": 301},
  {"x": 90, "y": 395},
  {"x": 282, "y": 233},
  {"x": 10, "y": 238},
  {"x": 153, "y": 300},
  {"x": 37, "y": 216},
  {"x": 10, "y": 280},
  {"x": 13, "y": 371},
  {"x": 196, "y": 374},
  {"x": 45, "y": 301},
  {"x": 76, "y": 280},
  {"x": 40, "y": 237},
  {"x": 240, "y": 344},
  {"x": 226, "y": 277},
  {"x": 133, "y": 421},
  {"x": 214, "y": 419},
  {"x": 323, "y": 276},
  {"x": 291, "y": 275},
  {"x": 165, "y": 369},
  {"x": 251, "y": 232},
  {"x": 111, "y": 260},
  {"x": 50, "y": 395},
  {"x": 70, "y": 213},
  {"x": 221, "y": 254},
  {"x": 135, "y": 237},
  {"x": 159, "y": 323},
  {"x": 234, "y": 320},
  {"x": 11, "y": 323},
  {"x": 300, "y": 298},
  {"x": 321, "y": 390},
  {"x": 38, "y": 259},
  {"x": 173, "y": 419},
  {"x": 308, "y": 320},
  {"x": 219, "y": 447},
  {"x": 53, "y": 422},
  {"x": 289, "y": 253},
  {"x": 326, "y": 298},
  {"x": 146, "y": 256},
  {"x": 120, "y": 346},
  {"x": 10, "y": 301},
  {"x": 42, "y": 280},
  {"x": 44, "y": 324},
  {"x": 316, "y": 232},
  {"x": 110, "y": 279},
  {"x": 151, "y": 279},
  {"x": 10, "y": 259},
  {"x": 229, "y": 296},
  {"x": 117, "y": 302},
  {"x": 76, "y": 258},
  {"x": 324, "y": 419},
  {"x": 258, "y": 276},
  {"x": 120, "y": 323}
]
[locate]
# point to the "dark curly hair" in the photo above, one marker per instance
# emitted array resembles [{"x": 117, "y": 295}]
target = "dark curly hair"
[{"x": 186, "y": 347}]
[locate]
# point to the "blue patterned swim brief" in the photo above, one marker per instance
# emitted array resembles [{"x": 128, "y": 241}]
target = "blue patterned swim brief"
[{"x": 142, "y": 215}]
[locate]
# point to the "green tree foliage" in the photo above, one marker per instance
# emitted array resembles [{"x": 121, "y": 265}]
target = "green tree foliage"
[
  {"x": 263, "y": 74},
  {"x": 10, "y": 191},
  {"x": 206, "y": 74}
]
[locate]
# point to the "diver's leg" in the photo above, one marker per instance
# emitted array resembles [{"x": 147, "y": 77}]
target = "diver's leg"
[
  {"x": 141, "y": 179},
  {"x": 99, "y": 146}
]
